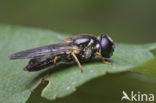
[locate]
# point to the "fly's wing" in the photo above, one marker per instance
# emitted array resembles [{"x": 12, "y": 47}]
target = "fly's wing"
[{"x": 44, "y": 51}]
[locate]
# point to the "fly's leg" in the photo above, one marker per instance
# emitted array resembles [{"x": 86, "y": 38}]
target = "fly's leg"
[
  {"x": 103, "y": 60},
  {"x": 77, "y": 61},
  {"x": 47, "y": 74},
  {"x": 55, "y": 60}
]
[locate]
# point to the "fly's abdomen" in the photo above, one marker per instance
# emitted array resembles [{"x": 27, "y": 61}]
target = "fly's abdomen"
[{"x": 37, "y": 64}]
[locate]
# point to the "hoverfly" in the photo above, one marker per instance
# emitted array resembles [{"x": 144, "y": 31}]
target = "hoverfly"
[{"x": 80, "y": 48}]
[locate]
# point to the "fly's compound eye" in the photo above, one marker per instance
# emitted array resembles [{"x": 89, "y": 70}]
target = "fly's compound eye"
[{"x": 107, "y": 46}]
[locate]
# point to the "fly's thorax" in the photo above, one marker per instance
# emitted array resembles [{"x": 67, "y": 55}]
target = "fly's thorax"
[
  {"x": 76, "y": 49},
  {"x": 88, "y": 52},
  {"x": 83, "y": 40}
]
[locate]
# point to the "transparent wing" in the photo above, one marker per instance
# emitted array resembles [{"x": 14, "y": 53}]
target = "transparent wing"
[{"x": 53, "y": 49}]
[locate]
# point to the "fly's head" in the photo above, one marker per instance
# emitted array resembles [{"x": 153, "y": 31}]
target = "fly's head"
[{"x": 107, "y": 46}]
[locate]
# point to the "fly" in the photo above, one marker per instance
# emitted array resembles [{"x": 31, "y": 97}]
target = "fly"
[{"x": 80, "y": 48}]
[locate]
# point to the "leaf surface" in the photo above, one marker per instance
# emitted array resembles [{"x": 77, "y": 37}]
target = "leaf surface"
[{"x": 17, "y": 84}]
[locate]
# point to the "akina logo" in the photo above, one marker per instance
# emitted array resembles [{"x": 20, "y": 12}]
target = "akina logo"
[{"x": 137, "y": 96}]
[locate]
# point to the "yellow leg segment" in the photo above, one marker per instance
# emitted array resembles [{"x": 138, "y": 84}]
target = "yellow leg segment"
[
  {"x": 103, "y": 60},
  {"x": 77, "y": 61},
  {"x": 55, "y": 59}
]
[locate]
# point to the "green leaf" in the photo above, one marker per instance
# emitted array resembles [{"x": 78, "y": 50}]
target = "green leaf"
[{"x": 16, "y": 84}]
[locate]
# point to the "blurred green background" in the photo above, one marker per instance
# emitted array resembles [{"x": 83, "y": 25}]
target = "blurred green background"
[{"x": 128, "y": 21}]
